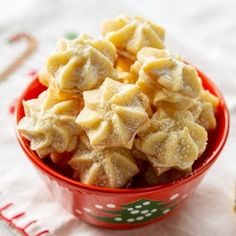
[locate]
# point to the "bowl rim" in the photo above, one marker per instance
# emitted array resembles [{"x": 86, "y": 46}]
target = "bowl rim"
[{"x": 32, "y": 156}]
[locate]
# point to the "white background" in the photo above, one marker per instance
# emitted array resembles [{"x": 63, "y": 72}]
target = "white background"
[{"x": 203, "y": 32}]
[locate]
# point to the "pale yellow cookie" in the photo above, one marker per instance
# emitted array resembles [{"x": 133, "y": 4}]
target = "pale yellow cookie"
[
  {"x": 145, "y": 54},
  {"x": 108, "y": 167},
  {"x": 82, "y": 64},
  {"x": 167, "y": 81},
  {"x": 114, "y": 114},
  {"x": 130, "y": 34},
  {"x": 49, "y": 125},
  {"x": 45, "y": 77},
  {"x": 138, "y": 155},
  {"x": 204, "y": 108},
  {"x": 122, "y": 66},
  {"x": 172, "y": 140}
]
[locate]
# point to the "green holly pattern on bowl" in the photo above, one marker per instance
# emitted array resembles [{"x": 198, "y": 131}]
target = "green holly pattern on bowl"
[{"x": 137, "y": 212}]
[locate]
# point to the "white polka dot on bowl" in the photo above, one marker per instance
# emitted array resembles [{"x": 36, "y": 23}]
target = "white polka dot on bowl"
[
  {"x": 148, "y": 214},
  {"x": 166, "y": 211},
  {"x": 130, "y": 220},
  {"x": 78, "y": 211},
  {"x": 154, "y": 210},
  {"x": 140, "y": 218},
  {"x": 99, "y": 206},
  {"x": 144, "y": 211},
  {"x": 174, "y": 196},
  {"x": 146, "y": 203},
  {"x": 87, "y": 209},
  {"x": 134, "y": 212}
]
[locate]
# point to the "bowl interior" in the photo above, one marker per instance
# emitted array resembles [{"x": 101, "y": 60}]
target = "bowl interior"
[{"x": 216, "y": 142}]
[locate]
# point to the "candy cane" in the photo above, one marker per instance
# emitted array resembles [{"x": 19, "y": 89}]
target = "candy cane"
[{"x": 32, "y": 45}]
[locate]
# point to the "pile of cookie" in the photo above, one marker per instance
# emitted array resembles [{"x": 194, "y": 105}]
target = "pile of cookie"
[{"x": 115, "y": 102}]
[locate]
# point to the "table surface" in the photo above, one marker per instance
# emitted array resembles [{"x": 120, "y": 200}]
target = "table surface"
[{"x": 203, "y": 32}]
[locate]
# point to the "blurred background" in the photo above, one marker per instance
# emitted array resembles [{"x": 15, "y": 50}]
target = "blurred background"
[{"x": 203, "y": 32}]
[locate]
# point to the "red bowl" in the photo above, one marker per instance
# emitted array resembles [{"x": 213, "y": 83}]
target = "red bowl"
[{"x": 126, "y": 208}]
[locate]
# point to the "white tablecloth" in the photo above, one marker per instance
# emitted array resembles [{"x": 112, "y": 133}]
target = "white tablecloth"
[{"x": 204, "y": 32}]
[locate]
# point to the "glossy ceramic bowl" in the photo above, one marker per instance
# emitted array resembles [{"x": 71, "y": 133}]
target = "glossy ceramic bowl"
[{"x": 126, "y": 208}]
